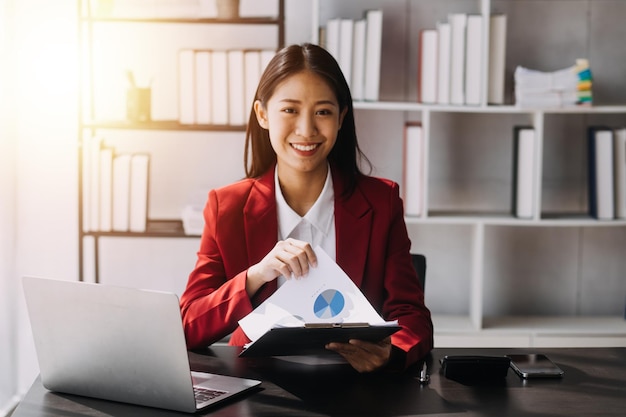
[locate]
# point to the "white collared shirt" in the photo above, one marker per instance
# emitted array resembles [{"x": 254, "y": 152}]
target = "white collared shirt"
[{"x": 317, "y": 227}]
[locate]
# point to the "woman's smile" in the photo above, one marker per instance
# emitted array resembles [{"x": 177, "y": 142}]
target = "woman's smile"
[{"x": 305, "y": 147}]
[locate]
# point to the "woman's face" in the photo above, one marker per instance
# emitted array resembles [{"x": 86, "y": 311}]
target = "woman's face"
[{"x": 303, "y": 119}]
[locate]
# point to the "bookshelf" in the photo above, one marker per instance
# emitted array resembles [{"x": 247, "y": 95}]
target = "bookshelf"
[
  {"x": 147, "y": 36},
  {"x": 555, "y": 279}
]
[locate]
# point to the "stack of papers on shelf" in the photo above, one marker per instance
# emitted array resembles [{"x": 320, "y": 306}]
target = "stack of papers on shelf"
[
  {"x": 304, "y": 314},
  {"x": 193, "y": 221},
  {"x": 565, "y": 87}
]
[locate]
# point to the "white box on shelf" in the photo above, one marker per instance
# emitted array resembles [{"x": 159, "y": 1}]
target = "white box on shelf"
[{"x": 193, "y": 221}]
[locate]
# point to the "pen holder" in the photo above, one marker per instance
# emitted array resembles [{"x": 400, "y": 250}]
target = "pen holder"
[
  {"x": 138, "y": 104},
  {"x": 227, "y": 9}
]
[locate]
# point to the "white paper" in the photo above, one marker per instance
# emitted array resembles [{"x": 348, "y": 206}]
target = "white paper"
[{"x": 326, "y": 295}]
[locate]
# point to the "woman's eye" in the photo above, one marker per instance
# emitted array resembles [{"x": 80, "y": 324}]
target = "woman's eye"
[
  {"x": 324, "y": 112},
  {"x": 289, "y": 110}
]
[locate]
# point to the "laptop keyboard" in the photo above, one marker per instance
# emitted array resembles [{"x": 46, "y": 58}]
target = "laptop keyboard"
[{"x": 206, "y": 394}]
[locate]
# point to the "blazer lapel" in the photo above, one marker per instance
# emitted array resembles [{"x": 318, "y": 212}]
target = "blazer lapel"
[{"x": 353, "y": 221}]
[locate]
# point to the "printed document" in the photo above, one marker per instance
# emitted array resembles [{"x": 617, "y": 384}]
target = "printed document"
[{"x": 326, "y": 295}]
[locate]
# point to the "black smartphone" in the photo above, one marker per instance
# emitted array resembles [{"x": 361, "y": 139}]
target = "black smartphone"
[{"x": 534, "y": 365}]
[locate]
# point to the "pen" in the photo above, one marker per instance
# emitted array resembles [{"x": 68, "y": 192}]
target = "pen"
[
  {"x": 424, "y": 377},
  {"x": 131, "y": 78}
]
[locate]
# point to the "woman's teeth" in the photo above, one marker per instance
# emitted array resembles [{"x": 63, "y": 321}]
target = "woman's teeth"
[{"x": 304, "y": 148}]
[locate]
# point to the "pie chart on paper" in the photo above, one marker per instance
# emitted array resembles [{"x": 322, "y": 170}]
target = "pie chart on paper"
[{"x": 329, "y": 304}]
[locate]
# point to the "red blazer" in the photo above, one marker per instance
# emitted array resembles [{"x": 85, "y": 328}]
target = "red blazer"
[{"x": 241, "y": 227}]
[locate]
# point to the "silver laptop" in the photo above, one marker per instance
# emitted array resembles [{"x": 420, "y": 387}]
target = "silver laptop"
[{"x": 120, "y": 344}]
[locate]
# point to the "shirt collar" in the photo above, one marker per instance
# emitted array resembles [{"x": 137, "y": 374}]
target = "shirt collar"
[{"x": 320, "y": 215}]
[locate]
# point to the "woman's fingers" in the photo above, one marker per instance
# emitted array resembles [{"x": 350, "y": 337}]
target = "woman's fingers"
[
  {"x": 289, "y": 258},
  {"x": 296, "y": 256}
]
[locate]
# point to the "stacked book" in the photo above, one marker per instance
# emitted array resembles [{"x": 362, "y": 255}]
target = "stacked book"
[
  {"x": 451, "y": 60},
  {"x": 524, "y": 168},
  {"x": 356, "y": 45},
  {"x": 217, "y": 87},
  {"x": 565, "y": 87},
  {"x": 607, "y": 172},
  {"x": 185, "y": 9},
  {"x": 115, "y": 189},
  {"x": 413, "y": 172}
]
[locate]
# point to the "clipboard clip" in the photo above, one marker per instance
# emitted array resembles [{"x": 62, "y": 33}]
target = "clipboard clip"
[{"x": 335, "y": 325}]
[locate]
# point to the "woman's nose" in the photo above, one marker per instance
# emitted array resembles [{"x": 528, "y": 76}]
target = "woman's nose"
[{"x": 306, "y": 126}]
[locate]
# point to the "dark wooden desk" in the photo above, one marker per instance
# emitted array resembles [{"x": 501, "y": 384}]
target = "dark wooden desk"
[{"x": 594, "y": 385}]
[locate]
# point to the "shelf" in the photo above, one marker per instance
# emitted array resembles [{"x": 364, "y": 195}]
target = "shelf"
[
  {"x": 161, "y": 125},
  {"x": 174, "y": 228},
  {"x": 552, "y": 325},
  {"x": 502, "y": 219},
  {"x": 92, "y": 29},
  {"x": 184, "y": 20},
  {"x": 530, "y": 331},
  {"x": 414, "y": 106},
  {"x": 558, "y": 325},
  {"x": 155, "y": 228}
]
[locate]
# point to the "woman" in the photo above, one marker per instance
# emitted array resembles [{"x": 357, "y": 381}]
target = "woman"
[{"x": 304, "y": 188}]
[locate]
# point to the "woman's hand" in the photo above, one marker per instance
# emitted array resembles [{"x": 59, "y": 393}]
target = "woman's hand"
[
  {"x": 364, "y": 356},
  {"x": 290, "y": 258}
]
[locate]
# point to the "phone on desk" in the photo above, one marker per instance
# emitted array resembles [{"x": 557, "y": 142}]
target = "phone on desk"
[{"x": 534, "y": 365}]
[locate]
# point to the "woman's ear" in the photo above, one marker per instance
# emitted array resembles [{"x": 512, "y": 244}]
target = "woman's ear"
[{"x": 261, "y": 114}]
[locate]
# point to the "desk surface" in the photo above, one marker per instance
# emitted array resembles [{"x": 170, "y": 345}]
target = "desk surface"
[{"x": 594, "y": 385}]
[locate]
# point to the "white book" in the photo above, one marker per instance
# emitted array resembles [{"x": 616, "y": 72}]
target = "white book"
[
  {"x": 427, "y": 72},
  {"x": 106, "y": 189},
  {"x": 601, "y": 174},
  {"x": 266, "y": 57},
  {"x": 373, "y": 51},
  {"x": 346, "y": 39},
  {"x": 139, "y": 183},
  {"x": 620, "y": 172},
  {"x": 121, "y": 192},
  {"x": 252, "y": 70},
  {"x": 236, "y": 88},
  {"x": 443, "y": 62},
  {"x": 94, "y": 183},
  {"x": 333, "y": 34},
  {"x": 86, "y": 163},
  {"x": 358, "y": 59},
  {"x": 524, "y": 165},
  {"x": 89, "y": 259},
  {"x": 219, "y": 74},
  {"x": 497, "y": 58},
  {"x": 186, "y": 86},
  {"x": 203, "y": 87},
  {"x": 458, "y": 24},
  {"x": 413, "y": 169},
  {"x": 473, "y": 59}
]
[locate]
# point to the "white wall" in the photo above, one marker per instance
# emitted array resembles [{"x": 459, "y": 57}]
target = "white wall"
[
  {"x": 7, "y": 228},
  {"x": 38, "y": 169},
  {"x": 7, "y": 221}
]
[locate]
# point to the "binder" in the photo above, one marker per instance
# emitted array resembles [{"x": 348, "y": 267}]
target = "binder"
[{"x": 313, "y": 337}]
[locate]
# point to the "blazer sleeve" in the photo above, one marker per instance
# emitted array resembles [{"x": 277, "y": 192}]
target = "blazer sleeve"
[
  {"x": 400, "y": 295},
  {"x": 213, "y": 302}
]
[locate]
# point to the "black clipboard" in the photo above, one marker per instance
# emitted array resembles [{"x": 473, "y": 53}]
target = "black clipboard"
[{"x": 312, "y": 338}]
